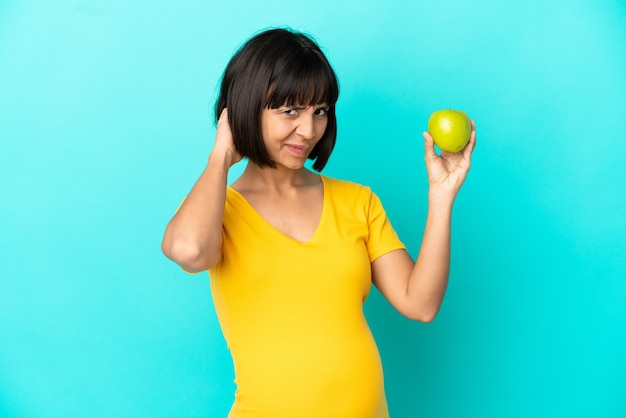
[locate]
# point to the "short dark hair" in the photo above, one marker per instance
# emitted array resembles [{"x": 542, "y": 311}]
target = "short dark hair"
[{"x": 274, "y": 68}]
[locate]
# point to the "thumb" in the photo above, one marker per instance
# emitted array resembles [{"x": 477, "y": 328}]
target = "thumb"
[{"x": 429, "y": 147}]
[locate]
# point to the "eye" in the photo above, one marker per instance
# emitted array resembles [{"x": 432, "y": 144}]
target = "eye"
[
  {"x": 322, "y": 111},
  {"x": 290, "y": 112}
]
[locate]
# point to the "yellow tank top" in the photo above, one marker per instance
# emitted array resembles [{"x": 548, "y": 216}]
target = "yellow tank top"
[{"x": 292, "y": 312}]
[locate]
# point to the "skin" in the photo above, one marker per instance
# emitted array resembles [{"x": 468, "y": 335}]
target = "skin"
[
  {"x": 417, "y": 289},
  {"x": 290, "y": 197}
]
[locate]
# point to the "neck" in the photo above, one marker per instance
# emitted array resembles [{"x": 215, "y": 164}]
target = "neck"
[{"x": 275, "y": 179}]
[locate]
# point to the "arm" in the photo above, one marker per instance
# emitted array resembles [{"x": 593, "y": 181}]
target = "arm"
[
  {"x": 417, "y": 289},
  {"x": 193, "y": 236}
]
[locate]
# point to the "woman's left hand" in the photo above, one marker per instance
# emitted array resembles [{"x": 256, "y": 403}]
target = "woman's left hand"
[{"x": 447, "y": 171}]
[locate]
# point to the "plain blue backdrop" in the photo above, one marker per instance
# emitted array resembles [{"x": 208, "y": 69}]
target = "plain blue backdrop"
[{"x": 105, "y": 123}]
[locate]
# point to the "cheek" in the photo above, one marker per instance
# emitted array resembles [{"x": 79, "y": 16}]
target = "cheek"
[
  {"x": 320, "y": 128},
  {"x": 274, "y": 133}
]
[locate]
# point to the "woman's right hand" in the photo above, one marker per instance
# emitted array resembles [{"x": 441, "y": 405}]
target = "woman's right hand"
[{"x": 224, "y": 144}]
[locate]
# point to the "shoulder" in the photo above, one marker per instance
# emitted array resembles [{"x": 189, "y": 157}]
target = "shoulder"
[
  {"x": 351, "y": 196},
  {"x": 346, "y": 187}
]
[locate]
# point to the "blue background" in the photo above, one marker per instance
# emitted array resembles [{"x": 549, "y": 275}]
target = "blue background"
[{"x": 105, "y": 123}]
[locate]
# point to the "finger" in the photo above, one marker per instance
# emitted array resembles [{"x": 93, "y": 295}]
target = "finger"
[
  {"x": 223, "y": 119},
  {"x": 429, "y": 146},
  {"x": 224, "y": 132},
  {"x": 469, "y": 148}
]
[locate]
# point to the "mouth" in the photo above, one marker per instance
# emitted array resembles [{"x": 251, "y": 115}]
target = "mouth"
[{"x": 297, "y": 150}]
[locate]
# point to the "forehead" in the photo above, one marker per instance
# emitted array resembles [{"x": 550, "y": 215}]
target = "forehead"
[
  {"x": 309, "y": 81},
  {"x": 300, "y": 93}
]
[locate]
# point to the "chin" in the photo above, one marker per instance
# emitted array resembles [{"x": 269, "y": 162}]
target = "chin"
[
  {"x": 293, "y": 167},
  {"x": 290, "y": 165}
]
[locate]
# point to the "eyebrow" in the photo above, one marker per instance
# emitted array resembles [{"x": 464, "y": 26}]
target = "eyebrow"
[{"x": 299, "y": 107}]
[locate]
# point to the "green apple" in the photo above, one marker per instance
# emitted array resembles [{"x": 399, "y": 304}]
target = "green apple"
[{"x": 450, "y": 129}]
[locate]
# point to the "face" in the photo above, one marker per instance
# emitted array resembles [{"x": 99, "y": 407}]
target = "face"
[{"x": 291, "y": 132}]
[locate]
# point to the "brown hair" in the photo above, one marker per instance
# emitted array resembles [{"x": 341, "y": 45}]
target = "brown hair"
[{"x": 275, "y": 68}]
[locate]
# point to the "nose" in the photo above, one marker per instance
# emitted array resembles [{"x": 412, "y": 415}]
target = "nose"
[{"x": 306, "y": 126}]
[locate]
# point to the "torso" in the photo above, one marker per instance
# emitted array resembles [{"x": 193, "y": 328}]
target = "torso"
[{"x": 292, "y": 312}]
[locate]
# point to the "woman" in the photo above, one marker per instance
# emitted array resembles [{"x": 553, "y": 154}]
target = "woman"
[{"x": 291, "y": 254}]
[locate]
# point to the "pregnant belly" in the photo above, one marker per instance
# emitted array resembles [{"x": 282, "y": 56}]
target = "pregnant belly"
[{"x": 308, "y": 375}]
